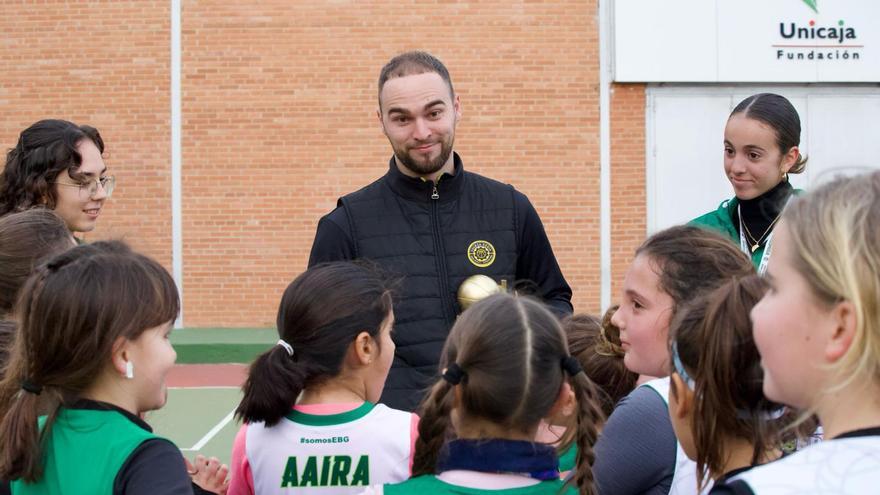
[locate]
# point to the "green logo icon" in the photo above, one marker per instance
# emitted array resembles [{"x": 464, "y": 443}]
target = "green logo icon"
[{"x": 812, "y": 4}]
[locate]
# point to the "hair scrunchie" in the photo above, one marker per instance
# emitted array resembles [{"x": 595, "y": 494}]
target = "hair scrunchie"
[
  {"x": 31, "y": 387},
  {"x": 571, "y": 366},
  {"x": 454, "y": 374},
  {"x": 287, "y": 347}
]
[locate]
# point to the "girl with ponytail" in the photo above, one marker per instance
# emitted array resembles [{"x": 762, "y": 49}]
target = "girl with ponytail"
[
  {"x": 716, "y": 403},
  {"x": 312, "y": 424},
  {"x": 90, "y": 356},
  {"x": 507, "y": 367}
]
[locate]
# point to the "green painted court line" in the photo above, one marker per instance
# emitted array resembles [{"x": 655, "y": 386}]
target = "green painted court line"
[
  {"x": 221, "y": 345},
  {"x": 223, "y": 335}
]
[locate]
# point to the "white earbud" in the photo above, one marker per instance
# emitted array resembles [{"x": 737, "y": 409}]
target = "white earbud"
[{"x": 129, "y": 370}]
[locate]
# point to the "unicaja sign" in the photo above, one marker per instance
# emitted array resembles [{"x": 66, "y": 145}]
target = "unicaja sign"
[
  {"x": 839, "y": 33},
  {"x": 817, "y": 42}
]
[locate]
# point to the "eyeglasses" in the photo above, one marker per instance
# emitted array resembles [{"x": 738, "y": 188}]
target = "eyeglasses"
[{"x": 91, "y": 187}]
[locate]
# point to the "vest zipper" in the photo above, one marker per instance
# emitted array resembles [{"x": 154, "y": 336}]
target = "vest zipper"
[{"x": 440, "y": 256}]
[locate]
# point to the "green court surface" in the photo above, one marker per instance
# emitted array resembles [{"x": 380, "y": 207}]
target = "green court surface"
[
  {"x": 199, "y": 420},
  {"x": 221, "y": 345},
  {"x": 198, "y": 414}
]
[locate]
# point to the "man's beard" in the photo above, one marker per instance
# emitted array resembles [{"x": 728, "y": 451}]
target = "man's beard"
[{"x": 423, "y": 168}]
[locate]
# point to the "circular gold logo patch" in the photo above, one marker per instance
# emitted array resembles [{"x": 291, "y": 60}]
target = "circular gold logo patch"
[{"x": 481, "y": 253}]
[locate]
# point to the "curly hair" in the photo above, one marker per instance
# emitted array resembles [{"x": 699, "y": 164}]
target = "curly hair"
[{"x": 44, "y": 150}]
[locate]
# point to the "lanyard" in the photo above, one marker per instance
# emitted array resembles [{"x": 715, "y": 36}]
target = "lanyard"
[{"x": 744, "y": 246}]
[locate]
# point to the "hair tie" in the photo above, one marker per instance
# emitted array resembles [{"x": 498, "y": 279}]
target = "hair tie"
[
  {"x": 772, "y": 415},
  {"x": 571, "y": 365},
  {"x": 29, "y": 386},
  {"x": 287, "y": 347},
  {"x": 454, "y": 374}
]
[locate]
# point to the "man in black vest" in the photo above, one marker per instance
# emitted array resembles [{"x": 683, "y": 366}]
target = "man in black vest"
[{"x": 435, "y": 224}]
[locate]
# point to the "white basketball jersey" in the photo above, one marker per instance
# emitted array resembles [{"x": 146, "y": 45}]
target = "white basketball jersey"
[
  {"x": 841, "y": 466},
  {"x": 337, "y": 453},
  {"x": 684, "y": 479}
]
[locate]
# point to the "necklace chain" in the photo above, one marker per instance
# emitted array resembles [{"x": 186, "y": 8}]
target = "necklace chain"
[{"x": 757, "y": 242}]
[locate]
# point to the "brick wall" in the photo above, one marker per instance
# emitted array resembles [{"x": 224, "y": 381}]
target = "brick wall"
[
  {"x": 279, "y": 120},
  {"x": 628, "y": 208},
  {"x": 104, "y": 64},
  {"x": 279, "y": 103}
]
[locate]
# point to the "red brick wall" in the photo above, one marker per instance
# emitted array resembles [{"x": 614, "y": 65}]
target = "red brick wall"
[
  {"x": 104, "y": 64},
  {"x": 279, "y": 103},
  {"x": 628, "y": 210},
  {"x": 279, "y": 120}
]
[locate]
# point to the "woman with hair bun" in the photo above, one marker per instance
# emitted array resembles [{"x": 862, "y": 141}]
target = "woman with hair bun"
[{"x": 761, "y": 142}]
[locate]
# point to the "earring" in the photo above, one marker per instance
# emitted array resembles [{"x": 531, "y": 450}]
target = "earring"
[{"x": 129, "y": 370}]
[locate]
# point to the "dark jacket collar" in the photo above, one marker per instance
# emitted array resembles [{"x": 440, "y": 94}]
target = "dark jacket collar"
[
  {"x": 418, "y": 189},
  {"x": 537, "y": 460},
  {"x": 766, "y": 207},
  {"x": 106, "y": 406}
]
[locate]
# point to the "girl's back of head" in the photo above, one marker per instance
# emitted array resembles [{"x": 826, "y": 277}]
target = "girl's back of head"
[
  {"x": 71, "y": 313},
  {"x": 321, "y": 313},
  {"x": 715, "y": 359},
  {"x": 596, "y": 345},
  {"x": 512, "y": 360},
  {"x": 25, "y": 238}
]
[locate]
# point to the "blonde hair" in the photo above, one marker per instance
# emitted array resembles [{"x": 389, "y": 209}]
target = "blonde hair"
[{"x": 835, "y": 234}]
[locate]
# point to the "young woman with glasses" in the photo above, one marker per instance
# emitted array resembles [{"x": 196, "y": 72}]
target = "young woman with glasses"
[{"x": 58, "y": 165}]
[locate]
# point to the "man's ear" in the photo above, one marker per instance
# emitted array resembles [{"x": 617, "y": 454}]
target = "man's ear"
[
  {"x": 684, "y": 397},
  {"x": 380, "y": 121},
  {"x": 844, "y": 320}
]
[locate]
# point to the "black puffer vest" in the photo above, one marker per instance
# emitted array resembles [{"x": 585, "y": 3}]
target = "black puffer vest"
[{"x": 424, "y": 234}]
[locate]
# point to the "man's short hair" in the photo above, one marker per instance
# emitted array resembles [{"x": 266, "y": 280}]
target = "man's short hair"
[{"x": 410, "y": 64}]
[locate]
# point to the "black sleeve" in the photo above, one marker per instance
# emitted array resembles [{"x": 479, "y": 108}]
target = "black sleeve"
[
  {"x": 155, "y": 467},
  {"x": 535, "y": 260},
  {"x": 5, "y": 489},
  {"x": 636, "y": 450},
  {"x": 737, "y": 487},
  {"x": 333, "y": 240}
]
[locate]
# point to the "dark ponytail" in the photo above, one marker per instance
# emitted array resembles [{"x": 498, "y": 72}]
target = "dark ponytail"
[
  {"x": 321, "y": 312},
  {"x": 712, "y": 339},
  {"x": 512, "y": 358},
  {"x": 434, "y": 428},
  {"x": 589, "y": 417},
  {"x": 71, "y": 312}
]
